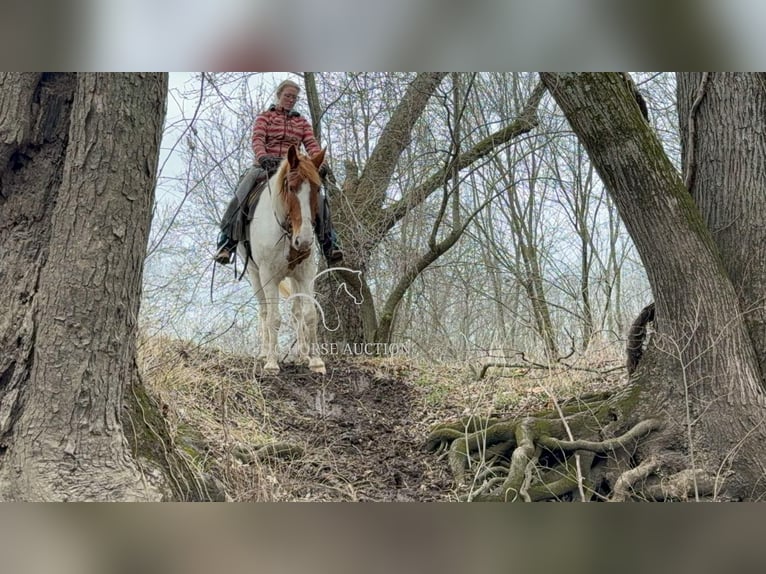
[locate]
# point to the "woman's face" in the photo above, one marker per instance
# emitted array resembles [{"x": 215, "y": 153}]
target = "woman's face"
[{"x": 288, "y": 97}]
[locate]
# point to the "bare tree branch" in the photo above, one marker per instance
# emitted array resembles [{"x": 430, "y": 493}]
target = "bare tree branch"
[{"x": 525, "y": 123}]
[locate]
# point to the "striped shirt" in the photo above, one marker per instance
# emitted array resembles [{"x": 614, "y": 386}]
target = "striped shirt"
[{"x": 275, "y": 130}]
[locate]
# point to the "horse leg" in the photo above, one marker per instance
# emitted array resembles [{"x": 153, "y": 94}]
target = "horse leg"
[
  {"x": 296, "y": 312},
  {"x": 271, "y": 324},
  {"x": 316, "y": 364},
  {"x": 299, "y": 305},
  {"x": 307, "y": 338},
  {"x": 255, "y": 281}
]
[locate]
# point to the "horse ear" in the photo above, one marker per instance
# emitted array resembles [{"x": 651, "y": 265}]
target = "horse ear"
[
  {"x": 292, "y": 157},
  {"x": 318, "y": 159}
]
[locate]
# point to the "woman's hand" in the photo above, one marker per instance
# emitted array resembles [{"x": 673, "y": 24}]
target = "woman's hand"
[{"x": 270, "y": 162}]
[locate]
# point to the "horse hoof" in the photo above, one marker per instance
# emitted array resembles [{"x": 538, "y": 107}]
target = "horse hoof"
[
  {"x": 317, "y": 366},
  {"x": 271, "y": 368}
]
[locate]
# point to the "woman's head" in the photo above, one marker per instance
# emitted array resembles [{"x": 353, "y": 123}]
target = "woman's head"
[{"x": 287, "y": 94}]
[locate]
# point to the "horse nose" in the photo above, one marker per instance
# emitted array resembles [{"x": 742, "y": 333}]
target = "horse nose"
[{"x": 298, "y": 243}]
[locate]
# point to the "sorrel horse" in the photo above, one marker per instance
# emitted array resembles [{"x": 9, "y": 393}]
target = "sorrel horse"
[{"x": 281, "y": 237}]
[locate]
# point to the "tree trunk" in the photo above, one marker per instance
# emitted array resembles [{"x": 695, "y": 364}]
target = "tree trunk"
[
  {"x": 613, "y": 312},
  {"x": 724, "y": 153},
  {"x": 715, "y": 383},
  {"x": 78, "y": 161},
  {"x": 358, "y": 212},
  {"x": 523, "y": 224}
]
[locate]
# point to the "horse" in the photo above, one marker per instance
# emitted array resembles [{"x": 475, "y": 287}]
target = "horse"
[{"x": 281, "y": 236}]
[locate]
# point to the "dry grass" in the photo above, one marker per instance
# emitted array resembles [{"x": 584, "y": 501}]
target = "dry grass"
[
  {"x": 356, "y": 433},
  {"x": 195, "y": 387}
]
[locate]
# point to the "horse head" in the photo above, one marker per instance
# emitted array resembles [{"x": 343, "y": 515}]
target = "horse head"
[{"x": 299, "y": 193}]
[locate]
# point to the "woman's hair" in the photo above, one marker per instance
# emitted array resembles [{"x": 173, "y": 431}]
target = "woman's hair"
[{"x": 287, "y": 84}]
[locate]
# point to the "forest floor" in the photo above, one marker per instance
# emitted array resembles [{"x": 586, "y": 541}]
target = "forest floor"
[{"x": 354, "y": 434}]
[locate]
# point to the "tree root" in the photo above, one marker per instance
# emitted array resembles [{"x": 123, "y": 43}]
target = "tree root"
[
  {"x": 641, "y": 429},
  {"x": 685, "y": 485},
  {"x": 534, "y": 459},
  {"x": 624, "y": 486}
]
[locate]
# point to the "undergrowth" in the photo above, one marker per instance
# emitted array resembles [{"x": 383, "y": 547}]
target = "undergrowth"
[{"x": 306, "y": 437}]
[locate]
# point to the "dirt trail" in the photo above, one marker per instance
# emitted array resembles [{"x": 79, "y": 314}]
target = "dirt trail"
[
  {"x": 362, "y": 432},
  {"x": 354, "y": 434}
]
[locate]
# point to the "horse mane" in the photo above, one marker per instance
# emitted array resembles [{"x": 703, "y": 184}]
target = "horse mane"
[{"x": 296, "y": 170}]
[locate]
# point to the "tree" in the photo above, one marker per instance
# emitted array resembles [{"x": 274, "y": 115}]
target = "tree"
[
  {"x": 367, "y": 215},
  {"x": 78, "y": 162},
  {"x": 689, "y": 424}
]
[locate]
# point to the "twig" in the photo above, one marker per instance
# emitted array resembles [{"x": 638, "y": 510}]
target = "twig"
[{"x": 531, "y": 365}]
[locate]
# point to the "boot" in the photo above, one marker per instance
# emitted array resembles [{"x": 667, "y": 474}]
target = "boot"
[
  {"x": 332, "y": 253},
  {"x": 225, "y": 250}
]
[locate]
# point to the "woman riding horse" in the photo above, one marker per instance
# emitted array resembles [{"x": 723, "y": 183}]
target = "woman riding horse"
[
  {"x": 275, "y": 130},
  {"x": 281, "y": 240}
]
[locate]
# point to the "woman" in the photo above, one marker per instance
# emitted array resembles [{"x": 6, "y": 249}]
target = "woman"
[{"x": 275, "y": 130}]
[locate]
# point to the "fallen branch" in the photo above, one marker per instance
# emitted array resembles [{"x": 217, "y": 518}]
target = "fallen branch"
[{"x": 537, "y": 366}]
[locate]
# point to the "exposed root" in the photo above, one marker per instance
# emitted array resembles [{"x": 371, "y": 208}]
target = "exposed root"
[
  {"x": 684, "y": 485},
  {"x": 623, "y": 488},
  {"x": 634, "y": 347},
  {"x": 537, "y": 457},
  {"x": 643, "y": 483},
  {"x": 601, "y": 447},
  {"x": 523, "y": 456}
]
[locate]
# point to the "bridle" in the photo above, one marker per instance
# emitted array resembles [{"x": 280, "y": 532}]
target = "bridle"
[{"x": 286, "y": 224}]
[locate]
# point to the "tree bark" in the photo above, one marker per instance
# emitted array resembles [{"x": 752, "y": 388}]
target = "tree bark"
[
  {"x": 79, "y": 157},
  {"x": 712, "y": 379},
  {"x": 724, "y": 152}
]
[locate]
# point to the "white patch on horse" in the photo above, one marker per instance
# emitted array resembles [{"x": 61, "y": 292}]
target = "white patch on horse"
[{"x": 303, "y": 238}]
